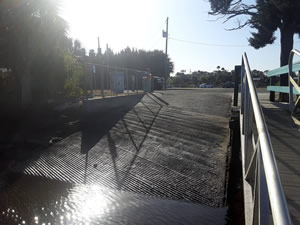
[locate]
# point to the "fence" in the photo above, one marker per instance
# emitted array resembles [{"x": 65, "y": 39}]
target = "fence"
[{"x": 107, "y": 81}]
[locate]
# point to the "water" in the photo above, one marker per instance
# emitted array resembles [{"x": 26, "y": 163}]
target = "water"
[{"x": 36, "y": 200}]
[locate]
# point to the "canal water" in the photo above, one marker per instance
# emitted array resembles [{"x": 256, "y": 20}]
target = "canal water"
[{"x": 36, "y": 200}]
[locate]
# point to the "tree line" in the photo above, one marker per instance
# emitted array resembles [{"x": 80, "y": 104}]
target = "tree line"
[
  {"x": 40, "y": 62},
  {"x": 217, "y": 78},
  {"x": 265, "y": 17}
]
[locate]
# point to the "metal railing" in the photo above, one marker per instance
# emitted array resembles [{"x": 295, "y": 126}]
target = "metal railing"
[
  {"x": 259, "y": 165},
  {"x": 293, "y": 106}
]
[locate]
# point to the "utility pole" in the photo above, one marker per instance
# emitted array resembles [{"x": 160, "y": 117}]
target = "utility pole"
[{"x": 166, "y": 35}]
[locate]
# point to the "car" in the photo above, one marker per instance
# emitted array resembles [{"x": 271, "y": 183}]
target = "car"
[
  {"x": 205, "y": 85},
  {"x": 228, "y": 84}
]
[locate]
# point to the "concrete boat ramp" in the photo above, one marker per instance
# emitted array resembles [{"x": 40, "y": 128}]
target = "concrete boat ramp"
[{"x": 158, "y": 158}]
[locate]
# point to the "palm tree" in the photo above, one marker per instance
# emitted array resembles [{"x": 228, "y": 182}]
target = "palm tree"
[{"x": 28, "y": 29}]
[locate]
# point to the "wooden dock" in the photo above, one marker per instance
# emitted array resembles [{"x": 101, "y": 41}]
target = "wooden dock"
[{"x": 285, "y": 138}]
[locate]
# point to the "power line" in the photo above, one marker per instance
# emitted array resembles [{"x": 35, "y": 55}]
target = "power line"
[
  {"x": 217, "y": 45},
  {"x": 208, "y": 44},
  {"x": 157, "y": 35}
]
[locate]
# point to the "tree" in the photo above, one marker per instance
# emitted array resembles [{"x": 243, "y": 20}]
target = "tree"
[
  {"x": 74, "y": 72},
  {"x": 266, "y": 16},
  {"x": 92, "y": 53},
  {"x": 138, "y": 59},
  {"x": 29, "y": 30}
]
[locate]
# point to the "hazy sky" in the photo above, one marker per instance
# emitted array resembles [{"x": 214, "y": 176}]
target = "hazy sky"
[{"x": 139, "y": 24}]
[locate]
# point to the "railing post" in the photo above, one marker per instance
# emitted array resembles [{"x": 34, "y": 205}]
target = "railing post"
[
  {"x": 243, "y": 77},
  {"x": 237, "y": 74},
  {"x": 102, "y": 82},
  {"x": 127, "y": 82},
  {"x": 91, "y": 81},
  {"x": 135, "y": 83},
  {"x": 261, "y": 209},
  {"x": 95, "y": 79},
  {"x": 245, "y": 104},
  {"x": 109, "y": 81},
  {"x": 248, "y": 129},
  {"x": 291, "y": 95},
  {"x": 264, "y": 195},
  {"x": 86, "y": 81}
]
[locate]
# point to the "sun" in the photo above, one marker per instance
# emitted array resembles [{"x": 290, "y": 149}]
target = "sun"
[{"x": 117, "y": 22}]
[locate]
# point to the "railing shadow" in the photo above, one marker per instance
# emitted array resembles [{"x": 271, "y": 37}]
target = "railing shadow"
[
  {"x": 147, "y": 107},
  {"x": 158, "y": 98},
  {"x": 121, "y": 171},
  {"x": 113, "y": 150},
  {"x": 95, "y": 126}
]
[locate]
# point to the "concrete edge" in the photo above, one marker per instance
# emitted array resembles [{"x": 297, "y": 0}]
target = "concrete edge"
[{"x": 107, "y": 104}]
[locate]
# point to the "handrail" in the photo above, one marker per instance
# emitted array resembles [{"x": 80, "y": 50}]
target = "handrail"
[
  {"x": 117, "y": 67},
  {"x": 291, "y": 80},
  {"x": 261, "y": 164},
  {"x": 283, "y": 70}
]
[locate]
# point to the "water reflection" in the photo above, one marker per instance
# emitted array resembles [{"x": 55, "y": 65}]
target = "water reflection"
[
  {"x": 36, "y": 200},
  {"x": 89, "y": 202}
]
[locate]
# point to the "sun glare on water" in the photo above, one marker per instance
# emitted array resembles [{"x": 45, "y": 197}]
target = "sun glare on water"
[{"x": 88, "y": 203}]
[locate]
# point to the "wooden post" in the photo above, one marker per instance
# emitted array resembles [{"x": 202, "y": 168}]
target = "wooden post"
[{"x": 272, "y": 93}]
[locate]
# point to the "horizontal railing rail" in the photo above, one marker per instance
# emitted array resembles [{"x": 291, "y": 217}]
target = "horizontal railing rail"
[
  {"x": 259, "y": 164},
  {"x": 283, "y": 70},
  {"x": 292, "y": 88}
]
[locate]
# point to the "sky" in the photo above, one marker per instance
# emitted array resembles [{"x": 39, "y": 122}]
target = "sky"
[{"x": 139, "y": 24}]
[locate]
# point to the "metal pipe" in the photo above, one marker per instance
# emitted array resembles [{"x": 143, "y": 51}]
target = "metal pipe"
[
  {"x": 117, "y": 67},
  {"x": 278, "y": 203}
]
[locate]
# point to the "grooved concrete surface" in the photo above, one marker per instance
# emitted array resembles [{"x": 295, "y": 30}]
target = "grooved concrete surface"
[{"x": 172, "y": 144}]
